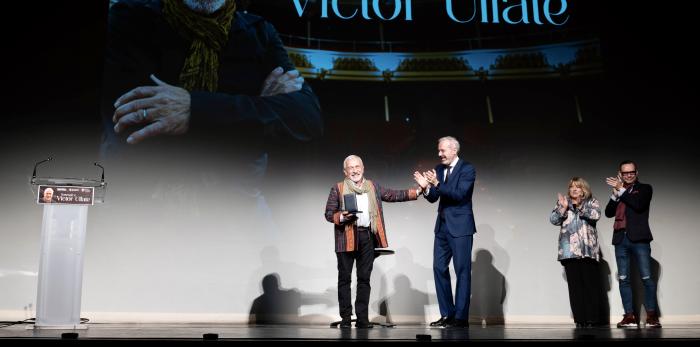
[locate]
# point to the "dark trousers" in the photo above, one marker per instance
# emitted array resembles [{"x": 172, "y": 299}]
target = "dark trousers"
[
  {"x": 448, "y": 248},
  {"x": 364, "y": 255},
  {"x": 583, "y": 278}
]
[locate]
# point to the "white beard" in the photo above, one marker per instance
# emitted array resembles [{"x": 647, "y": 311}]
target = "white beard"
[{"x": 204, "y": 6}]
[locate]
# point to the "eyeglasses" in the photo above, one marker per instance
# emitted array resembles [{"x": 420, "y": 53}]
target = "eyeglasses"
[{"x": 628, "y": 173}]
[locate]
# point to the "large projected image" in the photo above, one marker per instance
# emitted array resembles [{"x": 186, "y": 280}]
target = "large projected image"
[{"x": 235, "y": 134}]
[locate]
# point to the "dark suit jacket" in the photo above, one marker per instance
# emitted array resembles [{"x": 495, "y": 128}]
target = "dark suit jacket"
[
  {"x": 637, "y": 200},
  {"x": 141, "y": 42},
  {"x": 455, "y": 198}
]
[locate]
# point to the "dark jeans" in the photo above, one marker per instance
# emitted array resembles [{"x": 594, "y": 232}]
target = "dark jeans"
[
  {"x": 642, "y": 253},
  {"x": 583, "y": 278},
  {"x": 364, "y": 255}
]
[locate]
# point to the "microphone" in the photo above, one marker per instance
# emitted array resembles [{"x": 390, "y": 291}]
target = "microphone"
[
  {"x": 103, "y": 172},
  {"x": 50, "y": 158}
]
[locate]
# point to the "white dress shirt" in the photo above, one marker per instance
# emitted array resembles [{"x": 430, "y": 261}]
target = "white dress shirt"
[
  {"x": 452, "y": 167},
  {"x": 363, "y": 205}
]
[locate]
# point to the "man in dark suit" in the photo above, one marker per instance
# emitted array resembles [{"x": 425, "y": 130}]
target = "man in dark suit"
[
  {"x": 451, "y": 182},
  {"x": 629, "y": 204}
]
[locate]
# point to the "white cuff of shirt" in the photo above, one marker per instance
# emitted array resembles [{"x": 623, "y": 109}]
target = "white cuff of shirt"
[{"x": 616, "y": 195}]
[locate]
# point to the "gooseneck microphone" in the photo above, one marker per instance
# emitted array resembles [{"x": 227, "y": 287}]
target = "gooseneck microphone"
[
  {"x": 103, "y": 172},
  {"x": 50, "y": 158}
]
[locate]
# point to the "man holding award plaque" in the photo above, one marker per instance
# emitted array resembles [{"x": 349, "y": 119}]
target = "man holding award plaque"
[{"x": 355, "y": 208}]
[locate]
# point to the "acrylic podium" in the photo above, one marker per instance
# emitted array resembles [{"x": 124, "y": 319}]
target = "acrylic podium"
[{"x": 63, "y": 230}]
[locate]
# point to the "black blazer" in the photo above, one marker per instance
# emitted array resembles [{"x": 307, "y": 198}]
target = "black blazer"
[
  {"x": 637, "y": 200},
  {"x": 141, "y": 42}
]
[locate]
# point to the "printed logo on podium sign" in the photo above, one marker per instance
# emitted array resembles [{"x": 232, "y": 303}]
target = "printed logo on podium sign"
[{"x": 65, "y": 195}]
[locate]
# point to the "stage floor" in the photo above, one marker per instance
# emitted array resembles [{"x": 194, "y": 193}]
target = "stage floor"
[{"x": 402, "y": 333}]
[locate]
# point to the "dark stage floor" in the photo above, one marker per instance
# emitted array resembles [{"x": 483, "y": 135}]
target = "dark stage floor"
[{"x": 227, "y": 333}]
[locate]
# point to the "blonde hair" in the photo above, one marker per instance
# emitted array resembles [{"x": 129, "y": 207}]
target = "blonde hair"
[{"x": 581, "y": 183}]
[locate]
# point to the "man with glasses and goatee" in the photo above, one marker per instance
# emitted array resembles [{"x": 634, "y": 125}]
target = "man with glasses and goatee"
[{"x": 629, "y": 204}]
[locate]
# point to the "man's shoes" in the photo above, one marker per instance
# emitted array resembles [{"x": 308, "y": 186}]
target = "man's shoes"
[
  {"x": 441, "y": 322},
  {"x": 363, "y": 325},
  {"x": 628, "y": 321},
  {"x": 652, "y": 320},
  {"x": 457, "y": 323},
  {"x": 346, "y": 323}
]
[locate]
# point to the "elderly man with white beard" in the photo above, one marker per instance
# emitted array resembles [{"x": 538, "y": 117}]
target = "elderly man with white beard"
[{"x": 357, "y": 233}]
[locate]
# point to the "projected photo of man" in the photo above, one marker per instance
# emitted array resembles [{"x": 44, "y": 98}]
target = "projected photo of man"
[
  {"x": 203, "y": 73},
  {"x": 193, "y": 90}
]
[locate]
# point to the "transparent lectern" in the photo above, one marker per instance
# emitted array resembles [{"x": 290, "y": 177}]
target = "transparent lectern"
[{"x": 63, "y": 230}]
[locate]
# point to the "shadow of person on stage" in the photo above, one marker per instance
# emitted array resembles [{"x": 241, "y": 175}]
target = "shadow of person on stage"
[
  {"x": 489, "y": 291},
  {"x": 605, "y": 287},
  {"x": 638, "y": 287},
  {"x": 281, "y": 306},
  {"x": 271, "y": 262},
  {"x": 387, "y": 304},
  {"x": 489, "y": 283},
  {"x": 405, "y": 303}
]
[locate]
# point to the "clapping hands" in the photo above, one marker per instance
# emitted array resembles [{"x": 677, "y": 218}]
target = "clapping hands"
[
  {"x": 563, "y": 203},
  {"x": 615, "y": 183},
  {"x": 426, "y": 178},
  {"x": 431, "y": 176}
]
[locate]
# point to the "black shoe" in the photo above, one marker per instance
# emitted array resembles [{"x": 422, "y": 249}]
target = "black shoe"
[
  {"x": 441, "y": 322},
  {"x": 457, "y": 323},
  {"x": 363, "y": 325},
  {"x": 345, "y": 324}
]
